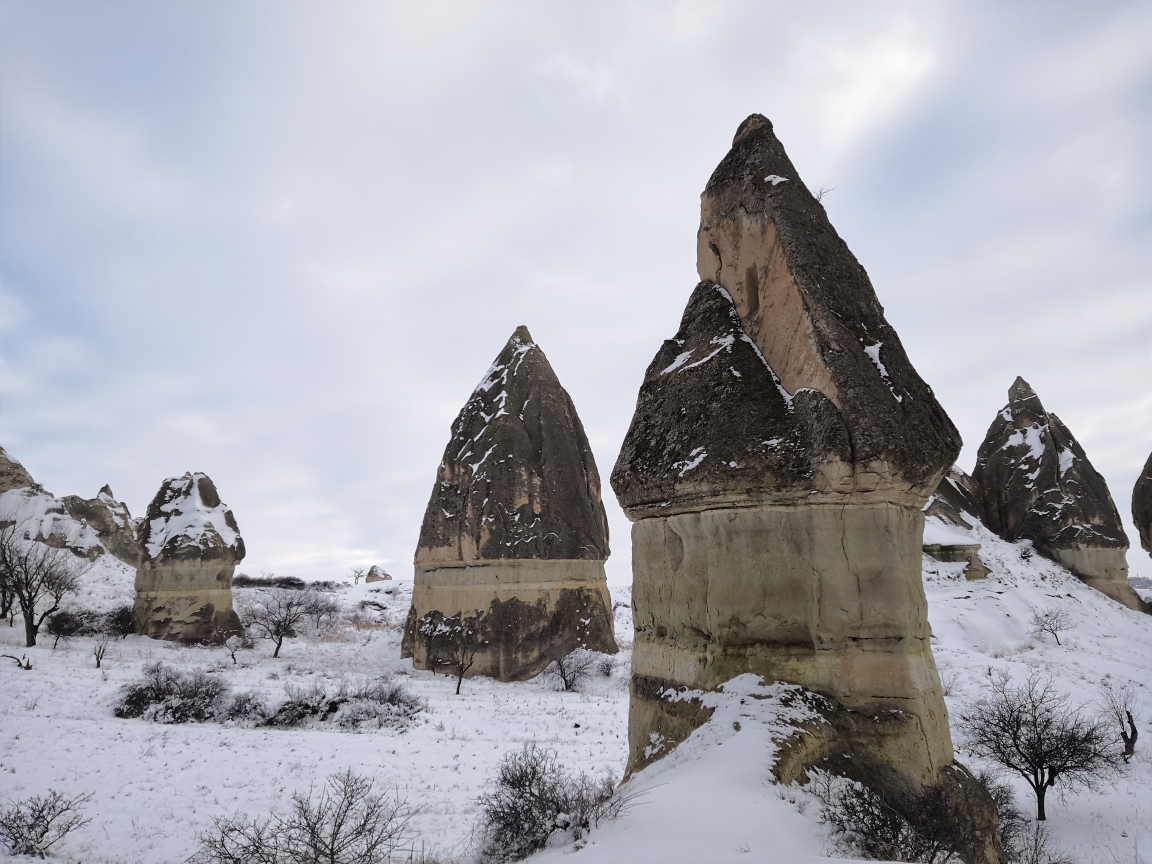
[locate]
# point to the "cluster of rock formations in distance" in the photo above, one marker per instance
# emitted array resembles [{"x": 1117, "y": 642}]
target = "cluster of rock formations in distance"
[
  {"x": 515, "y": 536},
  {"x": 185, "y": 549}
]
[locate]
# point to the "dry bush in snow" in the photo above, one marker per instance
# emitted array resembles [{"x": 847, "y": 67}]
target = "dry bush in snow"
[
  {"x": 348, "y": 823},
  {"x": 34, "y": 825},
  {"x": 1051, "y": 621},
  {"x": 533, "y": 798},
  {"x": 572, "y": 671},
  {"x": 167, "y": 695}
]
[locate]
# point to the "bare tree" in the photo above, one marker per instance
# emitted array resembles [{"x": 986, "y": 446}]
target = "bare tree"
[
  {"x": 358, "y": 574},
  {"x": 1051, "y": 621},
  {"x": 1119, "y": 701},
  {"x": 454, "y": 640},
  {"x": 348, "y": 824},
  {"x": 323, "y": 607},
  {"x": 1032, "y": 730},
  {"x": 34, "y": 825},
  {"x": 276, "y": 613},
  {"x": 234, "y": 643},
  {"x": 38, "y": 576},
  {"x": 100, "y": 649},
  {"x": 572, "y": 670}
]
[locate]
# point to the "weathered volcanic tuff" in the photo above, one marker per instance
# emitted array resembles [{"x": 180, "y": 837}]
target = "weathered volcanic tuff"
[
  {"x": 515, "y": 530},
  {"x": 1142, "y": 506},
  {"x": 110, "y": 520},
  {"x": 190, "y": 546},
  {"x": 780, "y": 452},
  {"x": 1037, "y": 484},
  {"x": 957, "y": 500},
  {"x": 87, "y": 531}
]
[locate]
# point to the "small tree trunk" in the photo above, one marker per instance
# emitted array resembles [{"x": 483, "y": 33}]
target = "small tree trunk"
[
  {"x": 459, "y": 679},
  {"x": 29, "y": 629},
  {"x": 1040, "y": 817},
  {"x": 1130, "y": 738},
  {"x": 279, "y": 642}
]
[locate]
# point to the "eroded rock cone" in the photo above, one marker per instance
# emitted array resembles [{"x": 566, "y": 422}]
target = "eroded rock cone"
[
  {"x": 190, "y": 546},
  {"x": 515, "y": 535},
  {"x": 1142, "y": 506},
  {"x": 1037, "y": 484},
  {"x": 110, "y": 520},
  {"x": 780, "y": 452},
  {"x": 12, "y": 474}
]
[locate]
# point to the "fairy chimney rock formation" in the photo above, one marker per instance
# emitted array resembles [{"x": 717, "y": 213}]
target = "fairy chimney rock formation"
[
  {"x": 190, "y": 546},
  {"x": 1037, "y": 484},
  {"x": 12, "y": 474},
  {"x": 775, "y": 469},
  {"x": 515, "y": 535},
  {"x": 1142, "y": 506}
]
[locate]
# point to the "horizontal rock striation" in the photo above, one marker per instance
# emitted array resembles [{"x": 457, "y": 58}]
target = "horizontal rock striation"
[
  {"x": 775, "y": 469},
  {"x": 1036, "y": 483},
  {"x": 190, "y": 546},
  {"x": 515, "y": 532}
]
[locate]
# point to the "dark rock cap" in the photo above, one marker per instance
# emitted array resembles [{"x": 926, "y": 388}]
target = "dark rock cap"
[
  {"x": 809, "y": 306},
  {"x": 713, "y": 424},
  {"x": 518, "y": 479},
  {"x": 187, "y": 521},
  {"x": 1142, "y": 506},
  {"x": 956, "y": 500},
  {"x": 12, "y": 473},
  {"x": 1036, "y": 482}
]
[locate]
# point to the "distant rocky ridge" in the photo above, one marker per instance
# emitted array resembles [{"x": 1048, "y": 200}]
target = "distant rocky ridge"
[
  {"x": 87, "y": 528},
  {"x": 515, "y": 531},
  {"x": 1142, "y": 506},
  {"x": 1036, "y": 483},
  {"x": 956, "y": 500},
  {"x": 190, "y": 546},
  {"x": 774, "y": 470}
]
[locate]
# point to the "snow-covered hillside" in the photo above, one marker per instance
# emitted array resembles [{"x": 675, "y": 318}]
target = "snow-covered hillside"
[{"x": 712, "y": 799}]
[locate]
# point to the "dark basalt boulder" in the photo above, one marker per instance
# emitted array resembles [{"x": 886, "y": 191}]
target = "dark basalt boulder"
[
  {"x": 1036, "y": 483},
  {"x": 810, "y": 307},
  {"x": 1142, "y": 506},
  {"x": 713, "y": 424},
  {"x": 518, "y": 479},
  {"x": 110, "y": 520},
  {"x": 956, "y": 500}
]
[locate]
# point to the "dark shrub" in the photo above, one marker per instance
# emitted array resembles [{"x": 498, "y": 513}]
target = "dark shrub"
[
  {"x": 34, "y": 825},
  {"x": 118, "y": 622},
  {"x": 533, "y": 798},
  {"x": 71, "y": 622},
  {"x": 167, "y": 695}
]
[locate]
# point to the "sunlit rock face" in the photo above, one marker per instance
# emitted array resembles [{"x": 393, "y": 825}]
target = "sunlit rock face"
[
  {"x": 190, "y": 546},
  {"x": 775, "y": 469},
  {"x": 515, "y": 533},
  {"x": 1142, "y": 506},
  {"x": 1036, "y": 483}
]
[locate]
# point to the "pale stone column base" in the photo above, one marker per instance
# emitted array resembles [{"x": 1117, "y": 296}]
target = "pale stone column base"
[{"x": 194, "y": 604}]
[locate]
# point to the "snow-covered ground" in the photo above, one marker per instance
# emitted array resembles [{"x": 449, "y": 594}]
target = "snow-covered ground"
[{"x": 157, "y": 786}]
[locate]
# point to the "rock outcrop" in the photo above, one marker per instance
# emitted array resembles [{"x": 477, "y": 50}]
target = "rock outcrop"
[
  {"x": 190, "y": 546},
  {"x": 87, "y": 529},
  {"x": 775, "y": 469},
  {"x": 956, "y": 500},
  {"x": 376, "y": 574},
  {"x": 515, "y": 535},
  {"x": 1142, "y": 506},
  {"x": 1037, "y": 484},
  {"x": 110, "y": 520}
]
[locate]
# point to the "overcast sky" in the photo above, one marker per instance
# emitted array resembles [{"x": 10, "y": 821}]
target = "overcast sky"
[{"x": 281, "y": 242}]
